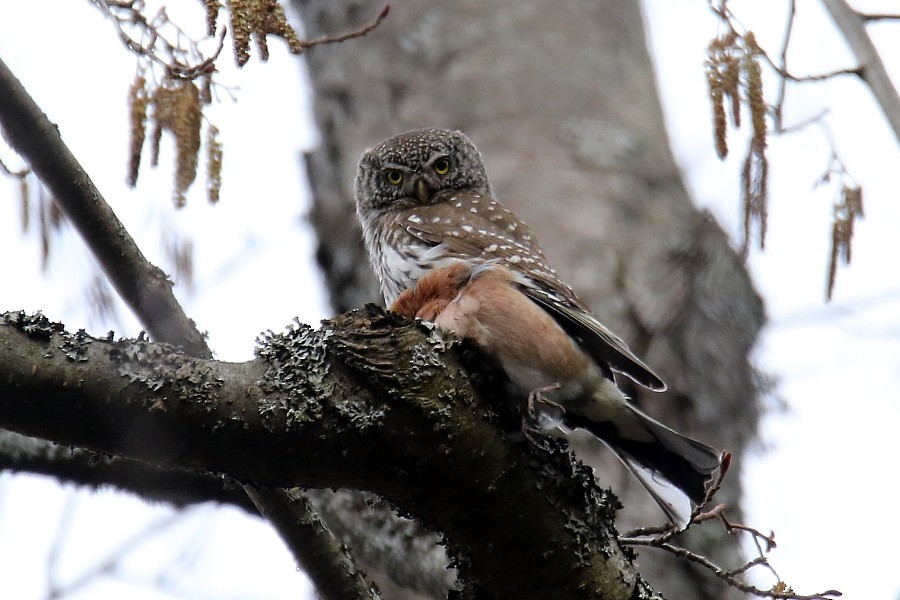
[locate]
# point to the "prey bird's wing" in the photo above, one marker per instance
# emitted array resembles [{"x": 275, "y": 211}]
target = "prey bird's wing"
[
  {"x": 598, "y": 341},
  {"x": 474, "y": 226}
]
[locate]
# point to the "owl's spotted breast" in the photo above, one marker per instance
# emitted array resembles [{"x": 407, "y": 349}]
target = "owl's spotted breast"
[
  {"x": 401, "y": 259},
  {"x": 468, "y": 225}
]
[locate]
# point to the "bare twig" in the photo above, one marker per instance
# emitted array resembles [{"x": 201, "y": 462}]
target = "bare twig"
[
  {"x": 180, "y": 62},
  {"x": 779, "y": 591},
  {"x": 334, "y": 39},
  {"x": 728, "y": 19},
  {"x": 880, "y": 16},
  {"x": 698, "y": 515},
  {"x": 817, "y": 119},
  {"x": 764, "y": 544},
  {"x": 778, "y": 107}
]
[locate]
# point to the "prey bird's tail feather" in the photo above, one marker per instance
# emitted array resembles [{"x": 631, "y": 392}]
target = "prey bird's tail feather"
[{"x": 672, "y": 467}]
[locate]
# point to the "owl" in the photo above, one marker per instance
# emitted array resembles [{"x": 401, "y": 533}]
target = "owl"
[
  {"x": 444, "y": 249},
  {"x": 424, "y": 200}
]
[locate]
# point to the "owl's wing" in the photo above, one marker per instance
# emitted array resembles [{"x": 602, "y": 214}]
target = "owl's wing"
[
  {"x": 596, "y": 339},
  {"x": 470, "y": 225}
]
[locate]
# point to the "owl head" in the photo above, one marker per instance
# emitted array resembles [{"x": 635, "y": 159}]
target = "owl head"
[{"x": 412, "y": 168}]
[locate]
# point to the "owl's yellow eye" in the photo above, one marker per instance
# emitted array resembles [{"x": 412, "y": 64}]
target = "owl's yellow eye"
[
  {"x": 394, "y": 176},
  {"x": 441, "y": 166}
]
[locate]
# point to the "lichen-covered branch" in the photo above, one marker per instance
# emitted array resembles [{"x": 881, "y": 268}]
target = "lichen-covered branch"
[
  {"x": 367, "y": 402},
  {"x": 394, "y": 551},
  {"x": 22, "y": 454}
]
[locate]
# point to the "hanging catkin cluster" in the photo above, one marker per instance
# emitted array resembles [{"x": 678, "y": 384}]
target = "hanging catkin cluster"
[
  {"x": 173, "y": 106},
  {"x": 846, "y": 210},
  {"x": 256, "y": 18},
  {"x": 734, "y": 77}
]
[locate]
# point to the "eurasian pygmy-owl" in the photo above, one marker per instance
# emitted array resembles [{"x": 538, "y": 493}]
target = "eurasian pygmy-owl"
[
  {"x": 442, "y": 244},
  {"x": 424, "y": 199}
]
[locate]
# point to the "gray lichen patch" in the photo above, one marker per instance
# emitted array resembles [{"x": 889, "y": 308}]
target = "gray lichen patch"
[
  {"x": 403, "y": 362},
  {"x": 588, "y": 509},
  {"x": 297, "y": 374},
  {"x": 35, "y": 326},
  {"x": 430, "y": 355},
  {"x": 156, "y": 365},
  {"x": 75, "y": 345}
]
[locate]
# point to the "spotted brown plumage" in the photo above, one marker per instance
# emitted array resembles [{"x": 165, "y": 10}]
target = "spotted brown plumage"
[{"x": 427, "y": 219}]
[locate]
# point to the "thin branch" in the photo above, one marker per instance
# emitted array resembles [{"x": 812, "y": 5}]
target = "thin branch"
[
  {"x": 764, "y": 544},
  {"x": 852, "y": 26},
  {"x": 662, "y": 535},
  {"x": 778, "y": 107},
  {"x": 858, "y": 71},
  {"x": 729, "y": 20},
  {"x": 22, "y": 454},
  {"x": 698, "y": 515},
  {"x": 880, "y": 16},
  {"x": 335, "y": 39},
  {"x": 175, "y": 66},
  {"x": 817, "y": 119},
  {"x": 141, "y": 284},
  {"x": 778, "y": 592}
]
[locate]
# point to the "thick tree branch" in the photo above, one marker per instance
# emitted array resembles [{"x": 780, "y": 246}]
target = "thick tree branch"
[
  {"x": 323, "y": 558},
  {"x": 853, "y": 26},
  {"x": 22, "y": 454},
  {"x": 381, "y": 541},
  {"x": 367, "y": 403}
]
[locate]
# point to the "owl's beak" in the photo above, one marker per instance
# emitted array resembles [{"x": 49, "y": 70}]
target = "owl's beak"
[{"x": 423, "y": 190}]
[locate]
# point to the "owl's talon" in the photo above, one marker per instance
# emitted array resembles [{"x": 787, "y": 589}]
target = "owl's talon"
[{"x": 537, "y": 397}]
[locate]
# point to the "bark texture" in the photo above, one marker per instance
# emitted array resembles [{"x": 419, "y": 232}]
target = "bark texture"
[
  {"x": 560, "y": 97},
  {"x": 368, "y": 402}
]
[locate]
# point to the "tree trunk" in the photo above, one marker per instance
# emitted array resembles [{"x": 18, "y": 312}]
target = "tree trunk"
[{"x": 560, "y": 97}]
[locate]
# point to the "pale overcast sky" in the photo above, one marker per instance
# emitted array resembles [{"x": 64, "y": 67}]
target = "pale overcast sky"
[{"x": 824, "y": 483}]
